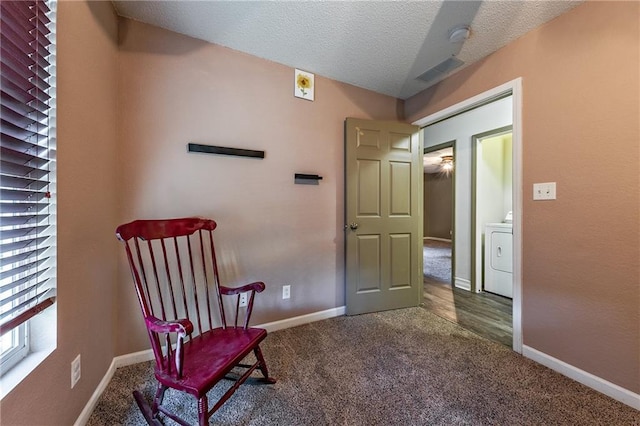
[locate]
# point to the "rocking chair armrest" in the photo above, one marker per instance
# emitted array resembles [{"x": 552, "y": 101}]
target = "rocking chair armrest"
[
  {"x": 181, "y": 326},
  {"x": 257, "y": 286}
]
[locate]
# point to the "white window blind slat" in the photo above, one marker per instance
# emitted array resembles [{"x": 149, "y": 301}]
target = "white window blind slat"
[{"x": 27, "y": 154}]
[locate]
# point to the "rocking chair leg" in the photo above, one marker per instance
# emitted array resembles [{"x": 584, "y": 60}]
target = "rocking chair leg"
[
  {"x": 263, "y": 366},
  {"x": 146, "y": 410},
  {"x": 203, "y": 411},
  {"x": 157, "y": 401}
]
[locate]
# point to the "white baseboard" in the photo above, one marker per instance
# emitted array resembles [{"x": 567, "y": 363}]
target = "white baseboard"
[
  {"x": 303, "y": 319},
  {"x": 462, "y": 283},
  {"x": 83, "y": 418},
  {"x": 594, "y": 382},
  {"x": 147, "y": 355},
  {"x": 134, "y": 358},
  {"x": 437, "y": 239}
]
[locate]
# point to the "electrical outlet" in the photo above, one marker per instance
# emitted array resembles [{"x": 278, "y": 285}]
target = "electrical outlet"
[
  {"x": 75, "y": 371},
  {"x": 244, "y": 299},
  {"x": 286, "y": 291}
]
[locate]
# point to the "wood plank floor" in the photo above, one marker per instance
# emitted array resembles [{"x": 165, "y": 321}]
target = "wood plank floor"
[{"x": 485, "y": 314}]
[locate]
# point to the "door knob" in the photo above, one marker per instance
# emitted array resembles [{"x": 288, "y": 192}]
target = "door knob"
[{"x": 353, "y": 226}]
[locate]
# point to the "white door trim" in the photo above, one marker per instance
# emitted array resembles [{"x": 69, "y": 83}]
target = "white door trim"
[{"x": 513, "y": 87}]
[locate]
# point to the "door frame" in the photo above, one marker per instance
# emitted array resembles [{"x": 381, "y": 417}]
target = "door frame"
[
  {"x": 513, "y": 88},
  {"x": 426, "y": 150},
  {"x": 476, "y": 251}
]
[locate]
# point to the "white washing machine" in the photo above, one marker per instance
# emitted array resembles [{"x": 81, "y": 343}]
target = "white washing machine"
[{"x": 498, "y": 259}]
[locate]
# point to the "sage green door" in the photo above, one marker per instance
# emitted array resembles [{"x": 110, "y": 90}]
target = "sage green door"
[{"x": 383, "y": 231}]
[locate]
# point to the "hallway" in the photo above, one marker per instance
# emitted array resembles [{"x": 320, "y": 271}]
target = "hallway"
[{"x": 485, "y": 314}]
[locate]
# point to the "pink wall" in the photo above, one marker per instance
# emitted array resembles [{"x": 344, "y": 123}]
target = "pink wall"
[
  {"x": 87, "y": 93},
  {"x": 581, "y": 129},
  {"x": 122, "y": 137},
  {"x": 174, "y": 90}
]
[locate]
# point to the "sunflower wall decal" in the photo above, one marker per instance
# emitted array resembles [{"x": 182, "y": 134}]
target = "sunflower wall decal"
[{"x": 304, "y": 85}]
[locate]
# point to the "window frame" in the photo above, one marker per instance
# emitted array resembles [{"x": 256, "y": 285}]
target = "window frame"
[
  {"x": 29, "y": 107},
  {"x": 18, "y": 348}
]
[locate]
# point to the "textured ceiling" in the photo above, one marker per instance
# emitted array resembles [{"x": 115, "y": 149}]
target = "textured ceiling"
[{"x": 378, "y": 45}]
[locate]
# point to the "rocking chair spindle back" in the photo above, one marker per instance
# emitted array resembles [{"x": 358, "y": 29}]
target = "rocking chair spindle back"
[{"x": 175, "y": 272}]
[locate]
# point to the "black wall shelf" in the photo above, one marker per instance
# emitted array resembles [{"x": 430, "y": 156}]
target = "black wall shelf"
[
  {"x": 221, "y": 150},
  {"x": 306, "y": 176}
]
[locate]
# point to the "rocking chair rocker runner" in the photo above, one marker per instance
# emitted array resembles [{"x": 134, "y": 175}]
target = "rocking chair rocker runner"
[{"x": 175, "y": 272}]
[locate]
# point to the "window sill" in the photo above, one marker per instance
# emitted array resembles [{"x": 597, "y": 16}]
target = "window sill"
[
  {"x": 13, "y": 377},
  {"x": 42, "y": 337}
]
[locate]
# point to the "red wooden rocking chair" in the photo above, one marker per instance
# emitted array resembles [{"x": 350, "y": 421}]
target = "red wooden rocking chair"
[{"x": 175, "y": 272}]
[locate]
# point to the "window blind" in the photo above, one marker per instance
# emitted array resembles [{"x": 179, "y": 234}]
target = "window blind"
[{"x": 27, "y": 161}]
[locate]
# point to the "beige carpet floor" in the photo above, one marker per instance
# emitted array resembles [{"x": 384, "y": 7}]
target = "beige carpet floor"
[
  {"x": 437, "y": 260},
  {"x": 403, "y": 367}
]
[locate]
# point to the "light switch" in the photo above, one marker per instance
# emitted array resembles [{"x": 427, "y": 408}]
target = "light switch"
[{"x": 544, "y": 191}]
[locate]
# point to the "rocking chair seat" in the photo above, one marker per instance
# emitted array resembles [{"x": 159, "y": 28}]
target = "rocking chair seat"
[{"x": 220, "y": 350}]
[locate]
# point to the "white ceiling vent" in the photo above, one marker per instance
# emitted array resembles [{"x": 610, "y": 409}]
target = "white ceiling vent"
[{"x": 441, "y": 70}]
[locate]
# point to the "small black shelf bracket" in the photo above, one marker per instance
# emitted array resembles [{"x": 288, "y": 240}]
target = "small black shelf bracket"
[
  {"x": 306, "y": 179},
  {"x": 221, "y": 150},
  {"x": 307, "y": 176}
]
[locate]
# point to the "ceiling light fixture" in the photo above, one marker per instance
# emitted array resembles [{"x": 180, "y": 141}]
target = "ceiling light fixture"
[
  {"x": 459, "y": 33},
  {"x": 447, "y": 163}
]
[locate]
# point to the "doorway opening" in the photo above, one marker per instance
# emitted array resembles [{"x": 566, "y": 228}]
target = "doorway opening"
[
  {"x": 467, "y": 281},
  {"x": 485, "y": 314},
  {"x": 438, "y": 208},
  {"x": 492, "y": 227}
]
